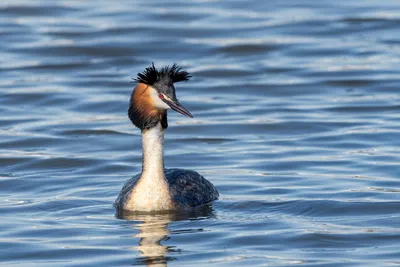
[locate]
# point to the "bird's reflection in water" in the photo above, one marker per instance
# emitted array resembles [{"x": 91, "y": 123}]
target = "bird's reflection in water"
[{"x": 153, "y": 229}]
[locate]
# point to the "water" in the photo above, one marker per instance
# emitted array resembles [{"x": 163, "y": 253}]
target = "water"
[{"x": 296, "y": 121}]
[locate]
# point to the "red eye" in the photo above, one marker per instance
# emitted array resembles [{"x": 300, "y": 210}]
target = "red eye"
[{"x": 161, "y": 96}]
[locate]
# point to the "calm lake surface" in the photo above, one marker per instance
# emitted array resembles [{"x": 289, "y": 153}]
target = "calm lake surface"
[{"x": 296, "y": 110}]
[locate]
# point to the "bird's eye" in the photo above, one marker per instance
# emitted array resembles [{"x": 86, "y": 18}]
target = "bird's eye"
[{"x": 161, "y": 96}]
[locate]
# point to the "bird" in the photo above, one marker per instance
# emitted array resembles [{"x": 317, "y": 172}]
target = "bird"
[{"x": 156, "y": 188}]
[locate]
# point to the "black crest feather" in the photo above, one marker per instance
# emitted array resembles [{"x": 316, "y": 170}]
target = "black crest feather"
[{"x": 151, "y": 75}]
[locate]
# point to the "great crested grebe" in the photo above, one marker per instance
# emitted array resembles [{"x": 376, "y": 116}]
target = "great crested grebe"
[{"x": 156, "y": 188}]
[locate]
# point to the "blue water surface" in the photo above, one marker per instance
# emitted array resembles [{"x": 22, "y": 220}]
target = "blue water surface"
[{"x": 296, "y": 110}]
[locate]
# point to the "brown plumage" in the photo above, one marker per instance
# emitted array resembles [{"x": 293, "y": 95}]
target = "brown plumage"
[{"x": 142, "y": 110}]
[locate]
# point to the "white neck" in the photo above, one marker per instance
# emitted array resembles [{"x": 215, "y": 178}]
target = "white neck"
[
  {"x": 151, "y": 192},
  {"x": 153, "y": 152}
]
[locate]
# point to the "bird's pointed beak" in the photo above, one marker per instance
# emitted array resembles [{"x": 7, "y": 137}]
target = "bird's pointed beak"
[{"x": 175, "y": 105}]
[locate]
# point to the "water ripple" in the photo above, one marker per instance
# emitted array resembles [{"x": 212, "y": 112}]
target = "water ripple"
[{"x": 296, "y": 122}]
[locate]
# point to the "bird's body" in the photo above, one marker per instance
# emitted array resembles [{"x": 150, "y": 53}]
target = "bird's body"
[
  {"x": 187, "y": 189},
  {"x": 157, "y": 188}
]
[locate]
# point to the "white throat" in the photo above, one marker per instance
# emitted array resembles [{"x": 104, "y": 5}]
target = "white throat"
[{"x": 151, "y": 191}]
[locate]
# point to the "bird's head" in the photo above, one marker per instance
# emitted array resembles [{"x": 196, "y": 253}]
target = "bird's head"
[{"x": 155, "y": 94}]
